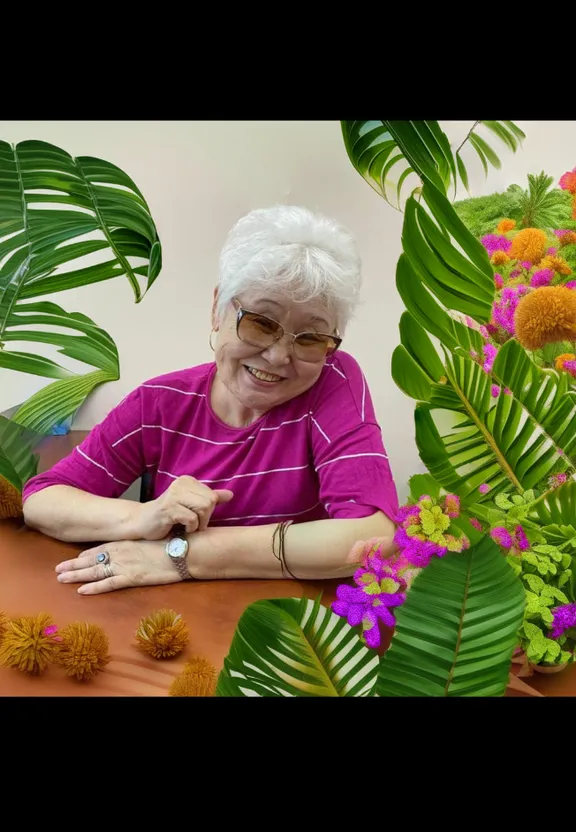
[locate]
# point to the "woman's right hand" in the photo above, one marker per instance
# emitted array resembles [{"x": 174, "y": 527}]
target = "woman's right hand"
[{"x": 185, "y": 502}]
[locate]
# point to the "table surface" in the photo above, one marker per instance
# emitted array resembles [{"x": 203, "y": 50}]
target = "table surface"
[{"x": 211, "y": 610}]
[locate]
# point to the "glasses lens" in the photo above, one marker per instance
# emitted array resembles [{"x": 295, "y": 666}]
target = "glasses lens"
[
  {"x": 258, "y": 330},
  {"x": 309, "y": 346}
]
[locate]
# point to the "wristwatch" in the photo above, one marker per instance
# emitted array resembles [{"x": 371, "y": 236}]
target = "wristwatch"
[{"x": 177, "y": 551}]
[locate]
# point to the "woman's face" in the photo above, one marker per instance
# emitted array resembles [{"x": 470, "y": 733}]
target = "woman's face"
[{"x": 285, "y": 374}]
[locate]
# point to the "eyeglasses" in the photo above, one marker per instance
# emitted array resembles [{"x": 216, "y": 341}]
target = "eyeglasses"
[{"x": 262, "y": 331}]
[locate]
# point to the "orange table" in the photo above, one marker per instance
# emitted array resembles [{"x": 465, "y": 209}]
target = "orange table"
[{"x": 211, "y": 610}]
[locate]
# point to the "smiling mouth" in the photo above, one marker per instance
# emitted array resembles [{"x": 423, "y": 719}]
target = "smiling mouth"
[{"x": 262, "y": 376}]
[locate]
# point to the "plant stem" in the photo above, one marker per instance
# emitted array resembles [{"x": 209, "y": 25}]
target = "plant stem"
[{"x": 474, "y": 126}]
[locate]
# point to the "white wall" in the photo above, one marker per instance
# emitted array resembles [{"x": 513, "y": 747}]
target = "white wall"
[{"x": 198, "y": 178}]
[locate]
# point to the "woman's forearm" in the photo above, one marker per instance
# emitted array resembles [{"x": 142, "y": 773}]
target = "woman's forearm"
[
  {"x": 74, "y": 516},
  {"x": 315, "y": 550}
]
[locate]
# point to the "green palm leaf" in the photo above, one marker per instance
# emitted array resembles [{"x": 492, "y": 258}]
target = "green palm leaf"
[
  {"x": 17, "y": 460},
  {"x": 387, "y": 153},
  {"x": 48, "y": 202},
  {"x": 296, "y": 647},
  {"x": 467, "y": 438},
  {"x": 456, "y": 631}
]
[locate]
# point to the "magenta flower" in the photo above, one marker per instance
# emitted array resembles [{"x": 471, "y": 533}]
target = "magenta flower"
[
  {"x": 526, "y": 264},
  {"x": 515, "y": 273},
  {"x": 507, "y": 391},
  {"x": 484, "y": 332},
  {"x": 484, "y": 488},
  {"x": 452, "y": 505},
  {"x": 556, "y": 480},
  {"x": 496, "y": 242},
  {"x": 502, "y": 537},
  {"x": 476, "y": 523},
  {"x": 50, "y": 630},
  {"x": 560, "y": 232},
  {"x": 369, "y": 601},
  {"x": 417, "y": 552},
  {"x": 564, "y": 619},
  {"x": 498, "y": 281},
  {"x": 407, "y": 515},
  {"x": 521, "y": 541},
  {"x": 552, "y": 250},
  {"x": 490, "y": 353},
  {"x": 543, "y": 277},
  {"x": 571, "y": 284},
  {"x": 494, "y": 391},
  {"x": 570, "y": 367}
]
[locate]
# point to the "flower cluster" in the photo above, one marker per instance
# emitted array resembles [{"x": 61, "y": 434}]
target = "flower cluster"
[
  {"x": 381, "y": 582},
  {"x": 564, "y": 619},
  {"x": 515, "y": 542}
]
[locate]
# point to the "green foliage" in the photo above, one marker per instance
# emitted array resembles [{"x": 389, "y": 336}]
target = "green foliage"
[
  {"x": 534, "y": 207},
  {"x": 296, "y": 647},
  {"x": 49, "y": 203},
  {"x": 482, "y": 214},
  {"x": 456, "y": 631},
  {"x": 17, "y": 459}
]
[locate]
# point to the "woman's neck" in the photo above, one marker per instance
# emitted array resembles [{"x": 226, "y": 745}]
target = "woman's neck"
[{"x": 229, "y": 409}]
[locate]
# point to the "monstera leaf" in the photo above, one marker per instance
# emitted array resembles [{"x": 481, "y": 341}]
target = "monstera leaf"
[
  {"x": 296, "y": 647},
  {"x": 386, "y": 153},
  {"x": 457, "y": 629},
  {"x": 50, "y": 203},
  {"x": 466, "y": 437}
]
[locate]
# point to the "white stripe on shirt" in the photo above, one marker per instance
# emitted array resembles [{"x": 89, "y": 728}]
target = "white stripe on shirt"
[
  {"x": 347, "y": 456},
  {"x": 97, "y": 464}
]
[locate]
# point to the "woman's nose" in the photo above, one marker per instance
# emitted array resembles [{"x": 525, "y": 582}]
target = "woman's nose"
[{"x": 280, "y": 352}]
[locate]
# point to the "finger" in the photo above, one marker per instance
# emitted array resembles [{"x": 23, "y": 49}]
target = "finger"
[
  {"x": 107, "y": 585},
  {"x": 80, "y": 576},
  {"x": 89, "y": 555},
  {"x": 181, "y": 515},
  {"x": 223, "y": 495}
]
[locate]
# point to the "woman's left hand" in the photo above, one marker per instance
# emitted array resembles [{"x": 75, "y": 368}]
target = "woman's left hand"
[{"x": 130, "y": 563}]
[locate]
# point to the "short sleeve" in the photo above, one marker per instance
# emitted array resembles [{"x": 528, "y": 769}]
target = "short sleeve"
[
  {"x": 108, "y": 461},
  {"x": 349, "y": 455}
]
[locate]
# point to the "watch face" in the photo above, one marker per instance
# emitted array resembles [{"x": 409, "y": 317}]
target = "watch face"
[{"x": 177, "y": 547}]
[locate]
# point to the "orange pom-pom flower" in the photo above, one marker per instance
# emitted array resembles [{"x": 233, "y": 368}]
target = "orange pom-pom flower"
[
  {"x": 568, "y": 239},
  {"x": 163, "y": 634},
  {"x": 529, "y": 245},
  {"x": 506, "y": 225},
  {"x": 29, "y": 643},
  {"x": 499, "y": 258},
  {"x": 557, "y": 264},
  {"x": 4, "y": 621},
  {"x": 10, "y": 500},
  {"x": 83, "y": 650},
  {"x": 546, "y": 316},
  {"x": 199, "y": 678}
]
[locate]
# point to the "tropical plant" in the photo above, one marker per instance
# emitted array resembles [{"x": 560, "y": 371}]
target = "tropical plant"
[
  {"x": 538, "y": 206},
  {"x": 454, "y": 636},
  {"x": 56, "y": 213}
]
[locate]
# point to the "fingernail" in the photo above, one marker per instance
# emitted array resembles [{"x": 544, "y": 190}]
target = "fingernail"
[{"x": 61, "y": 577}]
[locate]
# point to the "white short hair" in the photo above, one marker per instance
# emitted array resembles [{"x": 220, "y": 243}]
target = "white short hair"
[{"x": 292, "y": 249}]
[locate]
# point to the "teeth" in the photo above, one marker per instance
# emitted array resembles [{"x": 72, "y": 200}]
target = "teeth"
[{"x": 263, "y": 376}]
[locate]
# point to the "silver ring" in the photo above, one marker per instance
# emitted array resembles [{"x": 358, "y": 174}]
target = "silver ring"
[
  {"x": 103, "y": 557},
  {"x": 108, "y": 570}
]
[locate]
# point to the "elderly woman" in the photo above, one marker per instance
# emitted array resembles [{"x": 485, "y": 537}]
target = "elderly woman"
[{"x": 266, "y": 463}]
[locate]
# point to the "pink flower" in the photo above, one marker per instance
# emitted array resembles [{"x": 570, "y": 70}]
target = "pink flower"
[
  {"x": 552, "y": 250},
  {"x": 49, "y": 631},
  {"x": 476, "y": 523},
  {"x": 484, "y": 488},
  {"x": 452, "y": 505},
  {"x": 515, "y": 273},
  {"x": 543, "y": 277},
  {"x": 507, "y": 392},
  {"x": 556, "y": 480},
  {"x": 494, "y": 391},
  {"x": 498, "y": 281},
  {"x": 490, "y": 353},
  {"x": 560, "y": 232},
  {"x": 484, "y": 332},
  {"x": 571, "y": 284},
  {"x": 502, "y": 537},
  {"x": 521, "y": 540},
  {"x": 526, "y": 264}
]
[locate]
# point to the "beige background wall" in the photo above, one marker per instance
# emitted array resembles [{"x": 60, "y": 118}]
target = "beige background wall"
[{"x": 198, "y": 178}]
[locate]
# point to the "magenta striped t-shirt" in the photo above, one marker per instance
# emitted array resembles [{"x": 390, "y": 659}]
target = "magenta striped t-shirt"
[{"x": 319, "y": 455}]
